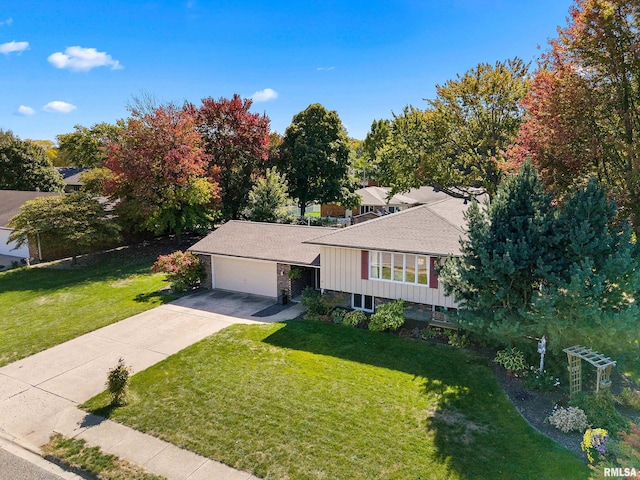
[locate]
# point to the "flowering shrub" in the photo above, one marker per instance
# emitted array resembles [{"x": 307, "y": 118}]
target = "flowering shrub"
[
  {"x": 568, "y": 419},
  {"x": 595, "y": 440},
  {"x": 183, "y": 270},
  {"x": 541, "y": 380}
]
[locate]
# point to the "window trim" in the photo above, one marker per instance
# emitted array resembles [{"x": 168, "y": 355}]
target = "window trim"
[
  {"x": 363, "y": 302},
  {"x": 376, "y": 261}
]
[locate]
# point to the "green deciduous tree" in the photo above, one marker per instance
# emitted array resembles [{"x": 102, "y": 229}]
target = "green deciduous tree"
[
  {"x": 314, "y": 158},
  {"x": 533, "y": 267},
  {"x": 160, "y": 172},
  {"x": 24, "y": 166},
  {"x": 75, "y": 220},
  {"x": 86, "y": 147},
  {"x": 374, "y": 142},
  {"x": 459, "y": 141},
  {"x": 267, "y": 198}
]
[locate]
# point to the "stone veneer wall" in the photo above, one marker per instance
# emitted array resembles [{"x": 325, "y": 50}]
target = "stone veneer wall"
[{"x": 284, "y": 282}]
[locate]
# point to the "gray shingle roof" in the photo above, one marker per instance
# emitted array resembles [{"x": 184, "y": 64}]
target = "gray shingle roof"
[
  {"x": 12, "y": 200},
  {"x": 415, "y": 230},
  {"x": 263, "y": 241}
]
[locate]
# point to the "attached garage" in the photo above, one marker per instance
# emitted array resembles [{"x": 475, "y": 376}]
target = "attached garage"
[
  {"x": 245, "y": 275},
  {"x": 256, "y": 258}
]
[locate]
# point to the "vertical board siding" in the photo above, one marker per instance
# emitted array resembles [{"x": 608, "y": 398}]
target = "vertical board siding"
[{"x": 342, "y": 268}]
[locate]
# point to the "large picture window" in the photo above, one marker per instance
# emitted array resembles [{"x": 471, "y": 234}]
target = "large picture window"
[{"x": 399, "y": 267}]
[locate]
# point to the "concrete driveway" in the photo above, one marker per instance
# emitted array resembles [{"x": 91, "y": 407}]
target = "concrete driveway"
[{"x": 39, "y": 394}]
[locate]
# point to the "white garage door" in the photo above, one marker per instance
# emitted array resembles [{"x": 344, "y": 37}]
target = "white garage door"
[
  {"x": 248, "y": 276},
  {"x": 5, "y": 249}
]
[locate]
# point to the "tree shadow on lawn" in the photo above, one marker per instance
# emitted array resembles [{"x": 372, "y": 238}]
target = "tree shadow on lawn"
[{"x": 474, "y": 426}]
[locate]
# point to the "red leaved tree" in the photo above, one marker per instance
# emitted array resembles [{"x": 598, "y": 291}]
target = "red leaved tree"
[
  {"x": 160, "y": 172},
  {"x": 237, "y": 143},
  {"x": 582, "y": 110}
]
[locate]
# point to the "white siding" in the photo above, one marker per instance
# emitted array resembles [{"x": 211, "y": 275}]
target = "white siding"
[
  {"x": 341, "y": 271},
  {"x": 5, "y": 249},
  {"x": 244, "y": 275}
]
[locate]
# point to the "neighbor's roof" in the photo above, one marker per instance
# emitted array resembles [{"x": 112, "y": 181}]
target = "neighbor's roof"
[
  {"x": 415, "y": 230},
  {"x": 377, "y": 196},
  {"x": 263, "y": 241},
  {"x": 12, "y": 200}
]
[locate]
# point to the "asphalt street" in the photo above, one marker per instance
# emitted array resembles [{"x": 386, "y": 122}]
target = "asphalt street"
[{"x": 13, "y": 467}]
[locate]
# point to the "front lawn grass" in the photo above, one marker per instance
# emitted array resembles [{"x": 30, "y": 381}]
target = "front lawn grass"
[
  {"x": 309, "y": 400},
  {"x": 45, "y": 306}
]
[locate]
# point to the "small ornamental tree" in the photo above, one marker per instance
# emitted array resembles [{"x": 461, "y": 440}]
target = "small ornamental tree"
[
  {"x": 118, "y": 382},
  {"x": 183, "y": 270}
]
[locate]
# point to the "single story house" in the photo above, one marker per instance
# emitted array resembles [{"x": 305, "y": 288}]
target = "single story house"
[
  {"x": 391, "y": 257},
  {"x": 71, "y": 177},
  {"x": 10, "y": 203},
  {"x": 377, "y": 200}
]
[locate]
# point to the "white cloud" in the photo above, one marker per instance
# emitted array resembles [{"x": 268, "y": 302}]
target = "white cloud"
[
  {"x": 11, "y": 47},
  {"x": 24, "y": 110},
  {"x": 264, "y": 95},
  {"x": 8, "y": 22},
  {"x": 83, "y": 59},
  {"x": 59, "y": 107},
  {"x": 325, "y": 69}
]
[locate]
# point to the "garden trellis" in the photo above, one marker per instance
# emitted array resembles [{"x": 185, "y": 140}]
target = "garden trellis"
[{"x": 602, "y": 363}]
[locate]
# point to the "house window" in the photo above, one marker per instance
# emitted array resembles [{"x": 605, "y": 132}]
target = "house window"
[
  {"x": 402, "y": 268},
  {"x": 362, "y": 302},
  {"x": 366, "y": 209}
]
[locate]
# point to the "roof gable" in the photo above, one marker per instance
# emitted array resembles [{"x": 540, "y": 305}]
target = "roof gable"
[{"x": 415, "y": 230}]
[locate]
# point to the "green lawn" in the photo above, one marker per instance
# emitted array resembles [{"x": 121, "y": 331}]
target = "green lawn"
[
  {"x": 309, "y": 400},
  {"x": 43, "y": 307}
]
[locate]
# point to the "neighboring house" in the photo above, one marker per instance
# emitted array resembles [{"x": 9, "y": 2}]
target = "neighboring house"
[
  {"x": 71, "y": 177},
  {"x": 255, "y": 257},
  {"x": 391, "y": 257},
  {"x": 375, "y": 199},
  {"x": 10, "y": 203}
]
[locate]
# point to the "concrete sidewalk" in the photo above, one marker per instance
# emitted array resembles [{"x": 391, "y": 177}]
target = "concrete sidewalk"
[{"x": 39, "y": 394}]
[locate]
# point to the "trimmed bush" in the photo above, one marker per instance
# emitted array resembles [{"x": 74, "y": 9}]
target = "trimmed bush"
[
  {"x": 601, "y": 411},
  {"x": 389, "y": 316},
  {"x": 354, "y": 318}
]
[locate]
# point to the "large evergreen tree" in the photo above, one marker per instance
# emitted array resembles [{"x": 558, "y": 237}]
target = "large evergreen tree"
[
  {"x": 24, "y": 166},
  {"x": 532, "y": 267}
]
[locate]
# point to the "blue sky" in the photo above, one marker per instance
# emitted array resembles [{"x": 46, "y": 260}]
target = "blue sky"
[{"x": 64, "y": 63}]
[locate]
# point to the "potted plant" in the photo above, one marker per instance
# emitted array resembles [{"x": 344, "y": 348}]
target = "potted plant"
[{"x": 282, "y": 298}]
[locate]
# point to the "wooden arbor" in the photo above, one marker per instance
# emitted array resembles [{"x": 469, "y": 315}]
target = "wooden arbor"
[{"x": 603, "y": 367}]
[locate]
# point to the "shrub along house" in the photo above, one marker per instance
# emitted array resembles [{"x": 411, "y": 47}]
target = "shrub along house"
[{"x": 392, "y": 257}]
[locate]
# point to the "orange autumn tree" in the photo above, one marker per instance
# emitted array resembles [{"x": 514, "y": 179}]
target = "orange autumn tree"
[
  {"x": 582, "y": 109},
  {"x": 160, "y": 172}
]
